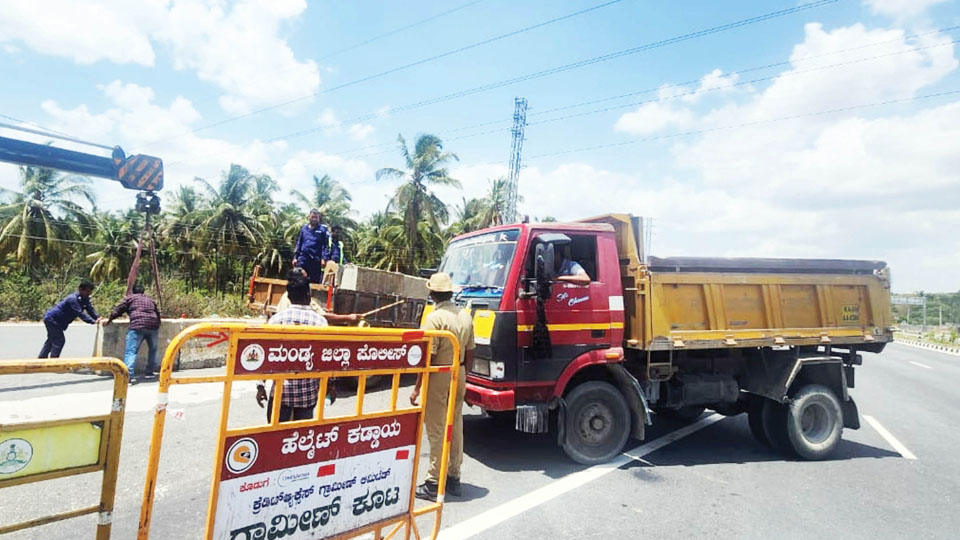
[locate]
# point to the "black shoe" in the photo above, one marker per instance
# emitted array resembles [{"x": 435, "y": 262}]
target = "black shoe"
[
  {"x": 453, "y": 486},
  {"x": 427, "y": 491}
]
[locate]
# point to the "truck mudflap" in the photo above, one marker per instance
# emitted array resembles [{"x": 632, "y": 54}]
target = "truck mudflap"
[
  {"x": 639, "y": 409},
  {"x": 851, "y": 416}
]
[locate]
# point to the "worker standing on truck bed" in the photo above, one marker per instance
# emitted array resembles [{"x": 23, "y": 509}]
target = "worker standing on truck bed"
[
  {"x": 311, "y": 246},
  {"x": 334, "y": 251},
  {"x": 445, "y": 316},
  {"x": 61, "y": 315}
]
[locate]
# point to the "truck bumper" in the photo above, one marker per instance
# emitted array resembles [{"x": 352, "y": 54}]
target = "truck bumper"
[{"x": 489, "y": 399}]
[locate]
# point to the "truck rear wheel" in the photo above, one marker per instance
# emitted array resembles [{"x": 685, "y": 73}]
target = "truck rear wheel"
[
  {"x": 814, "y": 422},
  {"x": 774, "y": 415},
  {"x": 597, "y": 423}
]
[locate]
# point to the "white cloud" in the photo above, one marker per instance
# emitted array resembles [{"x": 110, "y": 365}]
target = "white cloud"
[
  {"x": 361, "y": 131},
  {"x": 329, "y": 122},
  {"x": 240, "y": 50},
  {"x": 135, "y": 121},
  {"x": 877, "y": 183},
  {"x": 238, "y": 47},
  {"x": 901, "y": 9},
  {"x": 672, "y": 106},
  {"x": 86, "y": 32}
]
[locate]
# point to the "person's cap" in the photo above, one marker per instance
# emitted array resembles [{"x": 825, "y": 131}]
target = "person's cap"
[{"x": 440, "y": 282}]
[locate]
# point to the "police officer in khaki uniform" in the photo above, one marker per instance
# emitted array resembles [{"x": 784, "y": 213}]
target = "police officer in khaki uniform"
[{"x": 445, "y": 316}]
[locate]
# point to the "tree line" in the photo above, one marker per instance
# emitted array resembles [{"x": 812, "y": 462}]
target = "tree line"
[{"x": 212, "y": 232}]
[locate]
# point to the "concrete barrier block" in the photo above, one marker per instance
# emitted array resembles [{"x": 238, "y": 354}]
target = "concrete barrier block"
[{"x": 111, "y": 341}]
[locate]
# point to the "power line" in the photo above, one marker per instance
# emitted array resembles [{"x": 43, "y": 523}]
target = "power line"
[
  {"x": 658, "y": 99},
  {"x": 402, "y": 67},
  {"x": 748, "y": 124},
  {"x": 398, "y": 30},
  {"x": 53, "y": 135},
  {"x": 542, "y": 73},
  {"x": 507, "y": 120}
]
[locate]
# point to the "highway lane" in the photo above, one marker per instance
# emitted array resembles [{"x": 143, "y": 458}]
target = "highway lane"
[{"x": 715, "y": 482}]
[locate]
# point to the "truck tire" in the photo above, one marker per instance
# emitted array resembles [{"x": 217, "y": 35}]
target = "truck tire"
[
  {"x": 597, "y": 423},
  {"x": 774, "y": 416},
  {"x": 814, "y": 422}
]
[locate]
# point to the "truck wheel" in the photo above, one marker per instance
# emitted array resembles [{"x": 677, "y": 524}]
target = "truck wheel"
[
  {"x": 774, "y": 416},
  {"x": 814, "y": 422},
  {"x": 683, "y": 414},
  {"x": 597, "y": 423}
]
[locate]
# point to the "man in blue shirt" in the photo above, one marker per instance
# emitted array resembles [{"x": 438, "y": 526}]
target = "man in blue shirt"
[
  {"x": 311, "y": 246},
  {"x": 334, "y": 251},
  {"x": 61, "y": 315}
]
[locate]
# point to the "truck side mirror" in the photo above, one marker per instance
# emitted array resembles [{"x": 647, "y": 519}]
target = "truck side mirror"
[{"x": 543, "y": 269}]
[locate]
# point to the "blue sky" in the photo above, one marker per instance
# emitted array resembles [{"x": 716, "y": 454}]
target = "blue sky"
[{"x": 729, "y": 158}]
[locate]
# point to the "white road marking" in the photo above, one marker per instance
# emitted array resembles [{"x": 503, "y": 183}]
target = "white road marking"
[
  {"x": 919, "y": 364},
  {"x": 140, "y": 398},
  {"x": 519, "y": 505},
  {"x": 897, "y": 445}
]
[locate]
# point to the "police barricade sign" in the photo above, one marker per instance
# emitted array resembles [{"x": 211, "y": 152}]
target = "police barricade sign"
[
  {"x": 328, "y": 476},
  {"x": 42, "y": 450}
]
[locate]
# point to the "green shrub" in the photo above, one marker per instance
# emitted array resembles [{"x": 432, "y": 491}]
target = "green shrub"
[{"x": 25, "y": 299}]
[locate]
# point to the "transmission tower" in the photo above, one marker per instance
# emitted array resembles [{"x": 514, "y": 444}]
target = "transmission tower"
[{"x": 513, "y": 181}]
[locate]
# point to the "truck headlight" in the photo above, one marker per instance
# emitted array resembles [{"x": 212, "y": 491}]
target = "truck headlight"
[
  {"x": 497, "y": 370},
  {"x": 481, "y": 366}
]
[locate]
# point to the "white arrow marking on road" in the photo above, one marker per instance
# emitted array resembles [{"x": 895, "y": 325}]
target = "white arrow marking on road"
[
  {"x": 897, "y": 445},
  {"x": 919, "y": 364},
  {"x": 519, "y": 505}
]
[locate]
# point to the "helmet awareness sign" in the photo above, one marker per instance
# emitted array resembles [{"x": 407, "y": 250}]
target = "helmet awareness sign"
[{"x": 334, "y": 474}]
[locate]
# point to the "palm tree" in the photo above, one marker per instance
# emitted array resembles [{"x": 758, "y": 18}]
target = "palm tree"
[
  {"x": 180, "y": 233},
  {"x": 262, "y": 190},
  {"x": 331, "y": 199},
  {"x": 280, "y": 235},
  {"x": 493, "y": 205},
  {"x": 35, "y": 224},
  {"x": 230, "y": 226},
  {"x": 229, "y": 223},
  {"x": 413, "y": 200},
  {"x": 465, "y": 217},
  {"x": 118, "y": 241}
]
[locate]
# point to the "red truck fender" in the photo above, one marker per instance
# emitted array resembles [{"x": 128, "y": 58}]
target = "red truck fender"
[{"x": 612, "y": 361}]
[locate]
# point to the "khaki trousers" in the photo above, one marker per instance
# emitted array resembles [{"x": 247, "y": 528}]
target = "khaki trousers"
[{"x": 435, "y": 419}]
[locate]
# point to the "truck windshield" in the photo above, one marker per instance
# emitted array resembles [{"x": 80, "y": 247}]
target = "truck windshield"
[{"x": 481, "y": 262}]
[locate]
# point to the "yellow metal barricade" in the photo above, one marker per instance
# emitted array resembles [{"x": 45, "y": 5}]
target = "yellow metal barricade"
[
  {"x": 334, "y": 476},
  {"x": 47, "y": 449}
]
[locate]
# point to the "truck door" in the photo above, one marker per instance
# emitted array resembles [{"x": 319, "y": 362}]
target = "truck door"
[{"x": 578, "y": 315}]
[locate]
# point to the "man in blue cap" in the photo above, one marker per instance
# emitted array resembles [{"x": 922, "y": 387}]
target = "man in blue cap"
[
  {"x": 61, "y": 315},
  {"x": 312, "y": 244}
]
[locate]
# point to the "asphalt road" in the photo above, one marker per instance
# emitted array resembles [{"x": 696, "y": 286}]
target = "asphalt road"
[{"x": 715, "y": 481}]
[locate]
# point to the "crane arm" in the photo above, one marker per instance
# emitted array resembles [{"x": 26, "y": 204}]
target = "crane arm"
[{"x": 139, "y": 172}]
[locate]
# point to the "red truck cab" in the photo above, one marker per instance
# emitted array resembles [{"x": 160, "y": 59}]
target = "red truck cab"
[{"x": 493, "y": 271}]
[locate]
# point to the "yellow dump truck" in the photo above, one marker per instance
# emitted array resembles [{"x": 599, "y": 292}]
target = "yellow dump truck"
[{"x": 577, "y": 329}]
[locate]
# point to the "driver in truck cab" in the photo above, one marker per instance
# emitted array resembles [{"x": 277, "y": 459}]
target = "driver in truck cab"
[{"x": 570, "y": 270}]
